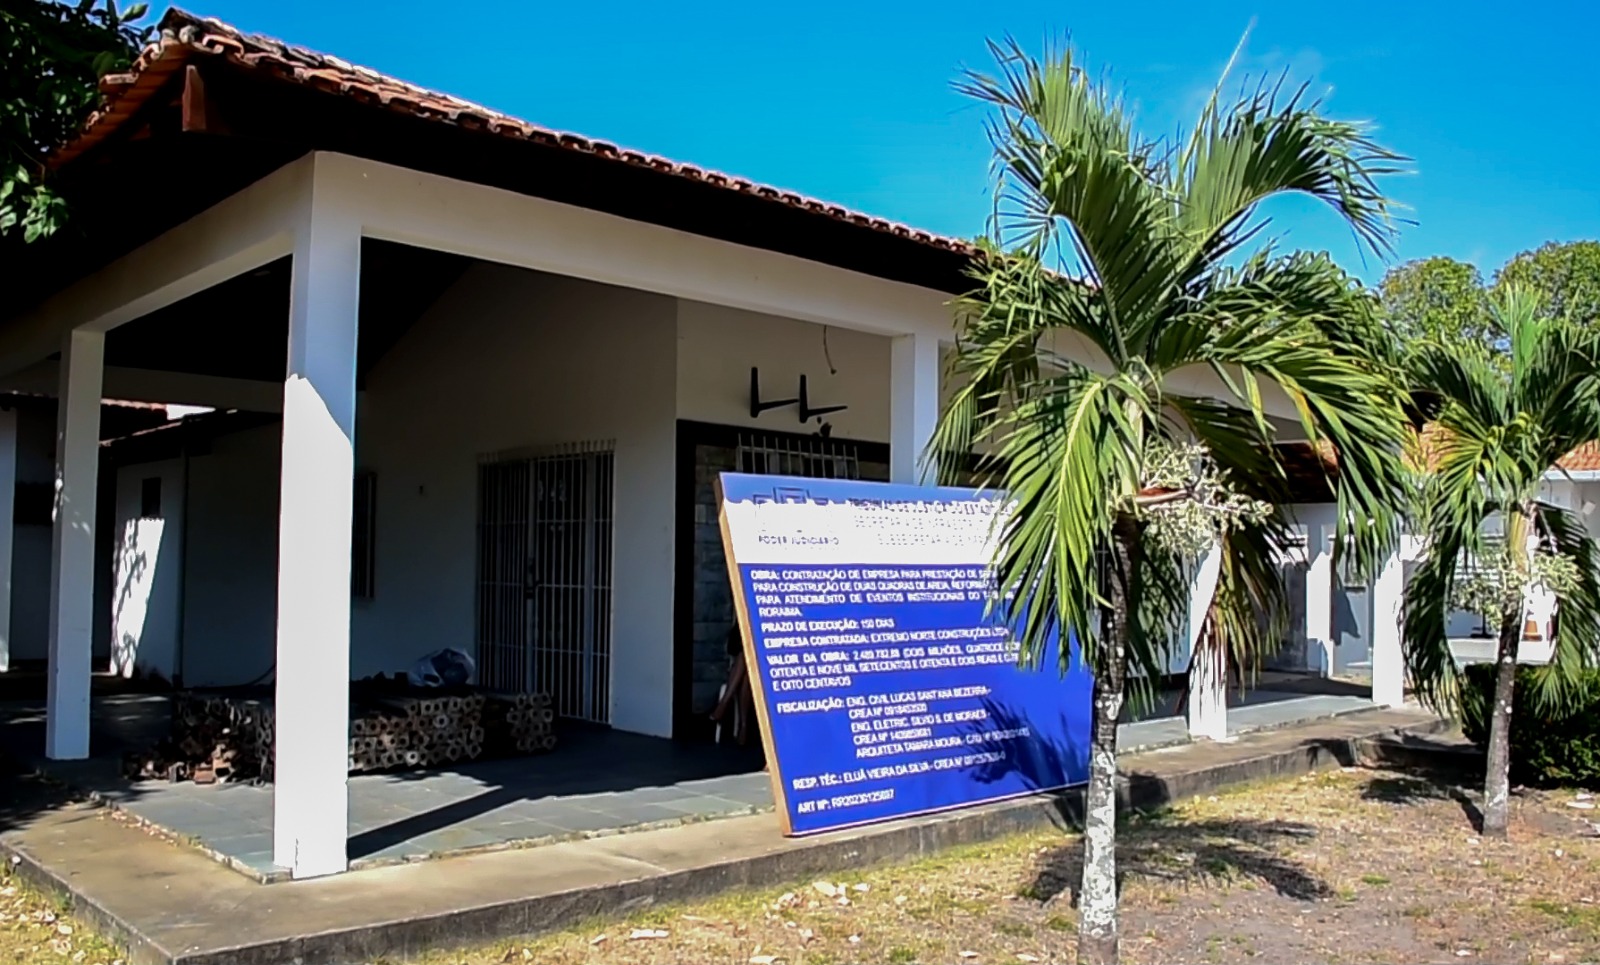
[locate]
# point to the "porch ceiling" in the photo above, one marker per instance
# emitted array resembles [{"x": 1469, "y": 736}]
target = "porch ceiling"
[{"x": 239, "y": 329}]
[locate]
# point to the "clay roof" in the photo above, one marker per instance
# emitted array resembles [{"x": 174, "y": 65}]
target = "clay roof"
[
  {"x": 1585, "y": 458},
  {"x": 184, "y": 38}
]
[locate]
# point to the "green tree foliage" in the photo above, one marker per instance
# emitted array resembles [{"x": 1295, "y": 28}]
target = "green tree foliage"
[
  {"x": 1499, "y": 431},
  {"x": 1444, "y": 300},
  {"x": 1440, "y": 299},
  {"x": 52, "y": 56},
  {"x": 1566, "y": 275},
  {"x": 1080, "y": 390},
  {"x": 1550, "y": 745}
]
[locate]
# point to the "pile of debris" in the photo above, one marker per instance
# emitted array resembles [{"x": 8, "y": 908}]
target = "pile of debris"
[{"x": 230, "y": 736}]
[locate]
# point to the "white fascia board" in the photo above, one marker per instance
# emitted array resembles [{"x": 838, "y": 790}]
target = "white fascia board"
[{"x": 430, "y": 211}]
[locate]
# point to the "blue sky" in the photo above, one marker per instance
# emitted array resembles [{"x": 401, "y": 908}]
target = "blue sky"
[{"x": 851, "y": 102}]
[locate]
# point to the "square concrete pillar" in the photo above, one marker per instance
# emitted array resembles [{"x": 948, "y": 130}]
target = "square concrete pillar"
[
  {"x": 310, "y": 804},
  {"x": 1208, "y": 677},
  {"x": 71, "y": 637},
  {"x": 1388, "y": 662},
  {"x": 913, "y": 408},
  {"x": 8, "y": 494},
  {"x": 1319, "y": 522}
]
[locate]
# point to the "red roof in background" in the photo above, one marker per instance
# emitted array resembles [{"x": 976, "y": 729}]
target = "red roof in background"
[
  {"x": 1582, "y": 459},
  {"x": 1585, "y": 457},
  {"x": 184, "y": 37}
]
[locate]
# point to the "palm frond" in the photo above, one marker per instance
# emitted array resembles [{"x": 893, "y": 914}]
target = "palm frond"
[
  {"x": 1269, "y": 142},
  {"x": 1553, "y": 380},
  {"x": 1159, "y": 613},
  {"x": 1342, "y": 399},
  {"x": 1070, "y": 159},
  {"x": 1069, "y": 451},
  {"x": 1464, "y": 377},
  {"x": 1249, "y": 613},
  {"x": 1500, "y": 428},
  {"x": 1239, "y": 444},
  {"x": 1063, "y": 384}
]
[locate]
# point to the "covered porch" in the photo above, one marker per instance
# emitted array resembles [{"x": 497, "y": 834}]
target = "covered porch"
[
  {"x": 508, "y": 329},
  {"x": 537, "y": 328},
  {"x": 429, "y": 316}
]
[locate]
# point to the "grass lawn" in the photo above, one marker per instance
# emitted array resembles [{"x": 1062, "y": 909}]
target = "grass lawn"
[{"x": 1345, "y": 866}]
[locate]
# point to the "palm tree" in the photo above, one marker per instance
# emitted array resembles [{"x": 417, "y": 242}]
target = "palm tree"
[
  {"x": 1126, "y": 326},
  {"x": 1499, "y": 425}
]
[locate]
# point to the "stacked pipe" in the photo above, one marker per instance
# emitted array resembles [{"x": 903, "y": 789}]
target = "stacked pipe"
[
  {"x": 232, "y": 738},
  {"x": 418, "y": 732},
  {"x": 212, "y": 739},
  {"x": 520, "y": 723}
]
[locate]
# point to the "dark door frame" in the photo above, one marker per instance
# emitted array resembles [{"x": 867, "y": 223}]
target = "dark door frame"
[{"x": 691, "y": 434}]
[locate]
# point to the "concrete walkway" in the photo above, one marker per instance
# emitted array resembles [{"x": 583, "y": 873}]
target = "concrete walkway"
[{"x": 173, "y": 904}]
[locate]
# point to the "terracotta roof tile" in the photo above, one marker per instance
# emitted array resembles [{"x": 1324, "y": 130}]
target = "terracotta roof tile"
[
  {"x": 1582, "y": 459},
  {"x": 184, "y": 36},
  {"x": 1425, "y": 451}
]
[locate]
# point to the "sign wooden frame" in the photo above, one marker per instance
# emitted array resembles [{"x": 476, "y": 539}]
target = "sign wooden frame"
[{"x": 752, "y": 666}]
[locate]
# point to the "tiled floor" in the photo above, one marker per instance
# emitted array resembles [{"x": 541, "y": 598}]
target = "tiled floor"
[{"x": 594, "y": 781}]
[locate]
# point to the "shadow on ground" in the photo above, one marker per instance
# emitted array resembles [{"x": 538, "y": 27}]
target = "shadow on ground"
[
  {"x": 1160, "y": 845},
  {"x": 1422, "y": 787},
  {"x": 1156, "y": 846}
]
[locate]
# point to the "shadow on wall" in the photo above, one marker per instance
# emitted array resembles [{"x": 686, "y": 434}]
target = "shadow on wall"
[{"x": 142, "y": 590}]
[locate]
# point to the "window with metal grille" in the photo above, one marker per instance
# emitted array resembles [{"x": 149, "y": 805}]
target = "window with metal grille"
[
  {"x": 814, "y": 457},
  {"x": 544, "y": 576}
]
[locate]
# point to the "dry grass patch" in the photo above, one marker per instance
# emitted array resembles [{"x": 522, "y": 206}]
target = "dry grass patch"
[
  {"x": 1344, "y": 866},
  {"x": 35, "y": 929}
]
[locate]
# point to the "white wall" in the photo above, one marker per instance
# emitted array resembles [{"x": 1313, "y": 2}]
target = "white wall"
[
  {"x": 30, "y": 549},
  {"x": 509, "y": 359},
  {"x": 718, "y": 345},
  {"x": 231, "y": 564},
  {"x": 147, "y": 572}
]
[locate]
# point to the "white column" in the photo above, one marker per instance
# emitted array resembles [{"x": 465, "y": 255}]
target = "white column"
[
  {"x": 1388, "y": 663},
  {"x": 8, "y": 495},
  {"x": 913, "y": 407},
  {"x": 72, "y": 546},
  {"x": 310, "y": 804},
  {"x": 1319, "y": 588},
  {"x": 1208, "y": 678}
]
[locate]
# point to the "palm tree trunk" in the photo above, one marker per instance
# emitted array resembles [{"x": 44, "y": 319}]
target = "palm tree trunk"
[
  {"x": 1097, "y": 894},
  {"x": 1497, "y": 770},
  {"x": 1497, "y": 774}
]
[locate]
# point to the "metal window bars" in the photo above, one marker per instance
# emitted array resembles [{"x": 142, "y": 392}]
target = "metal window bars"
[
  {"x": 813, "y": 457},
  {"x": 545, "y": 541}
]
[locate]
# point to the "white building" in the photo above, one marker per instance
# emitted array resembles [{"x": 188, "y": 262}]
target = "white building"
[{"x": 473, "y": 379}]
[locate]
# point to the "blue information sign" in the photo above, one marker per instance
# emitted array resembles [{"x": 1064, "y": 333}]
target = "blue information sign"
[{"x": 885, "y": 684}]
